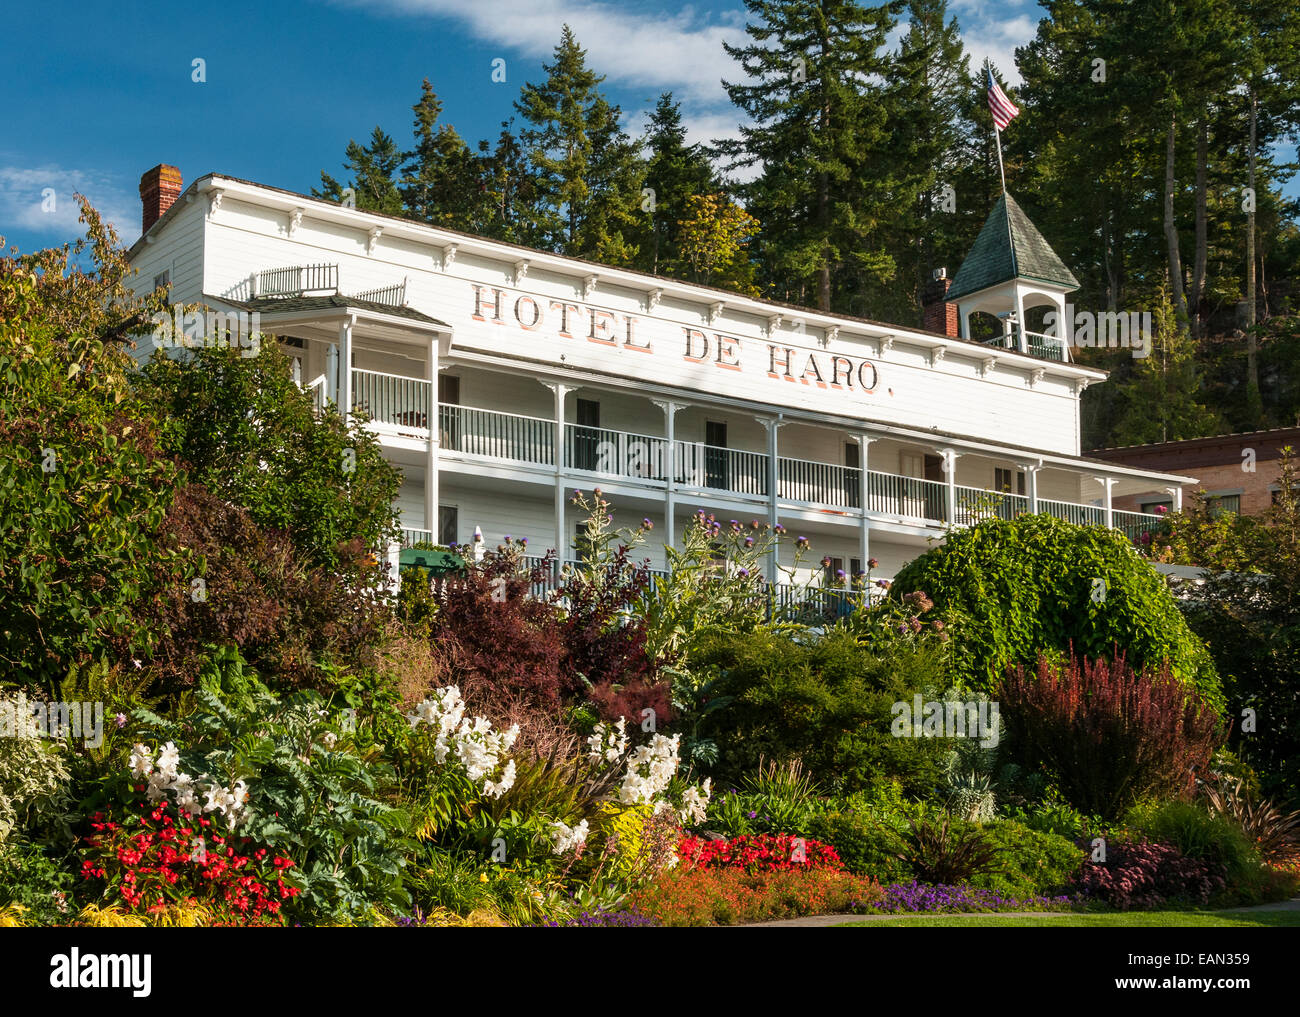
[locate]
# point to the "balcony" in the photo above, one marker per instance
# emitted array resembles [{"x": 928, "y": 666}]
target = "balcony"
[
  {"x": 402, "y": 405},
  {"x": 1036, "y": 344}
]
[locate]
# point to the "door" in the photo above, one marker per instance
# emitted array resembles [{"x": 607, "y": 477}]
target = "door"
[
  {"x": 912, "y": 499},
  {"x": 716, "y": 461},
  {"x": 448, "y": 414},
  {"x": 936, "y": 496},
  {"x": 852, "y": 479},
  {"x": 586, "y": 436},
  {"x": 448, "y": 525}
]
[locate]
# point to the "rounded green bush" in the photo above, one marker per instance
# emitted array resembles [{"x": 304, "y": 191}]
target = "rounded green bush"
[
  {"x": 1031, "y": 862},
  {"x": 867, "y": 846},
  {"x": 1010, "y": 588}
]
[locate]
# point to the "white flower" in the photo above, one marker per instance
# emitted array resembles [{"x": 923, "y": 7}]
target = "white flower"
[
  {"x": 507, "y": 781},
  {"x": 566, "y": 838},
  {"x": 141, "y": 760},
  {"x": 695, "y": 802},
  {"x": 330, "y": 740},
  {"x": 168, "y": 760}
]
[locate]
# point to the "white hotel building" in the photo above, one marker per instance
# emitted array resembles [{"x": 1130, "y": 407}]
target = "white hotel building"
[{"x": 547, "y": 374}]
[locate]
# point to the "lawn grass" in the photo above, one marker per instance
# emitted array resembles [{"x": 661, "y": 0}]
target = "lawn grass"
[{"x": 1124, "y": 919}]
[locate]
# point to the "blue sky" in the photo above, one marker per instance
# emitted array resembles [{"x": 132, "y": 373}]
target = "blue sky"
[{"x": 98, "y": 93}]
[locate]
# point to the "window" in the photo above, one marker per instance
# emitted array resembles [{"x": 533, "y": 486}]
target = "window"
[
  {"x": 1008, "y": 480},
  {"x": 448, "y": 525},
  {"x": 830, "y": 578},
  {"x": 1221, "y": 503},
  {"x": 1155, "y": 507},
  {"x": 163, "y": 281}
]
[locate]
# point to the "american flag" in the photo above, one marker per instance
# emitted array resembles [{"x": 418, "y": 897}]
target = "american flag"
[{"x": 1003, "y": 109}]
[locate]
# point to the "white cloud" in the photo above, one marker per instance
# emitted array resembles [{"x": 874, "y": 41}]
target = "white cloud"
[
  {"x": 681, "y": 50},
  {"x": 41, "y": 200}
]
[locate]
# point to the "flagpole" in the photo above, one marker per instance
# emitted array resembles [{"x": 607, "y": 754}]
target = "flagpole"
[{"x": 997, "y": 134}]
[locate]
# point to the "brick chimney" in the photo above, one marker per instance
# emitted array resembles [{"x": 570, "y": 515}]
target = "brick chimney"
[
  {"x": 938, "y": 315},
  {"x": 159, "y": 189}
]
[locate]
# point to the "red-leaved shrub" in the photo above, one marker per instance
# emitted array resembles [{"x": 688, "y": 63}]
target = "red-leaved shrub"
[
  {"x": 1109, "y": 734},
  {"x": 1143, "y": 874}
]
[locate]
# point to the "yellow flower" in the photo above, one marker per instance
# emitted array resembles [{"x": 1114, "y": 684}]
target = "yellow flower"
[{"x": 482, "y": 877}]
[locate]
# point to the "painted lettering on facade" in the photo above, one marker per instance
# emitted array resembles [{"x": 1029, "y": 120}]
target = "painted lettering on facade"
[{"x": 579, "y": 322}]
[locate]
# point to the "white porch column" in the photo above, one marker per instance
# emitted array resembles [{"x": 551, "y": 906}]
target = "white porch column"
[
  {"x": 1107, "y": 487},
  {"x": 1177, "y": 494},
  {"x": 561, "y": 540},
  {"x": 332, "y": 373},
  {"x": 950, "y": 476},
  {"x": 670, "y": 409},
  {"x": 1020, "y": 320},
  {"x": 772, "y": 424},
  {"x": 345, "y": 366},
  {"x": 1031, "y": 486},
  {"x": 431, "y": 498},
  {"x": 864, "y": 527}
]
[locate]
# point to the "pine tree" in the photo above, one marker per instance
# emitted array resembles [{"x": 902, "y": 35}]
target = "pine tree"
[
  {"x": 819, "y": 133},
  {"x": 373, "y": 176},
  {"x": 509, "y": 192},
  {"x": 1161, "y": 400},
  {"x": 441, "y": 184},
  {"x": 586, "y": 171},
  {"x": 675, "y": 173},
  {"x": 935, "y": 220}
]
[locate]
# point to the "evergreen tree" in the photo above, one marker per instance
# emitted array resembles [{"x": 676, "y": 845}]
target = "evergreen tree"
[
  {"x": 1161, "y": 400},
  {"x": 509, "y": 193},
  {"x": 675, "y": 173},
  {"x": 819, "y": 132},
  {"x": 441, "y": 184},
  {"x": 373, "y": 174},
  {"x": 586, "y": 171},
  {"x": 935, "y": 220}
]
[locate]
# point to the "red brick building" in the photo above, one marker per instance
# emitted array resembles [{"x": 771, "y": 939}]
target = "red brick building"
[{"x": 1237, "y": 472}]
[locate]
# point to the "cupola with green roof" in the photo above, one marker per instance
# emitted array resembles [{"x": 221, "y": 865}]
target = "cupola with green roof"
[{"x": 1010, "y": 269}]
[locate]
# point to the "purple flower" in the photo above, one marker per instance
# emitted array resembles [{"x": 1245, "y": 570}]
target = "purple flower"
[{"x": 120, "y": 720}]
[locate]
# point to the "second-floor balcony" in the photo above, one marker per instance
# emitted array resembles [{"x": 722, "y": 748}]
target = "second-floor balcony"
[{"x": 400, "y": 405}]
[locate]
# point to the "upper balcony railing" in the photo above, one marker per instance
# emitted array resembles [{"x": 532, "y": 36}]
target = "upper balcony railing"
[
  {"x": 1037, "y": 344},
  {"x": 602, "y": 452},
  {"x": 295, "y": 280}
]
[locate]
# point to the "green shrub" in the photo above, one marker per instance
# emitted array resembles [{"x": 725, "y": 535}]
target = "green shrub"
[
  {"x": 1030, "y": 862},
  {"x": 826, "y": 701},
  {"x": 35, "y": 878},
  {"x": 1011, "y": 588},
  {"x": 867, "y": 846}
]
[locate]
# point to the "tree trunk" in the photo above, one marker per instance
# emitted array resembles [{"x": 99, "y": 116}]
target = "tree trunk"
[
  {"x": 1252, "y": 351},
  {"x": 1171, "y": 230},
  {"x": 1198, "y": 263}
]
